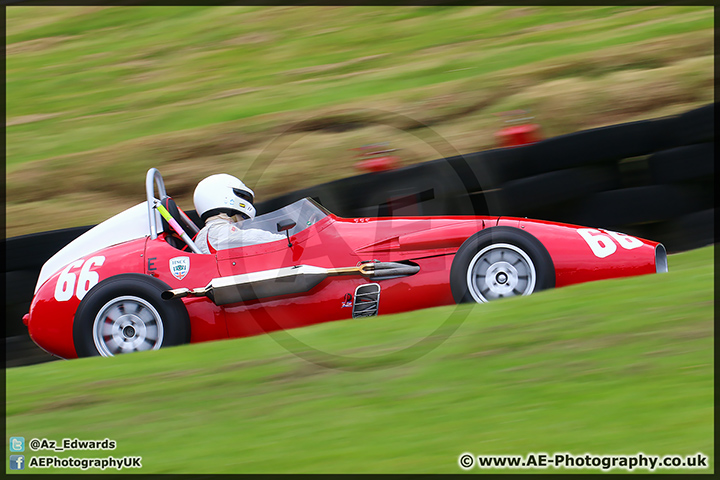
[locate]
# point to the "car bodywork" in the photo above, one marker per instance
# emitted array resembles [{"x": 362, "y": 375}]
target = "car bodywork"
[{"x": 134, "y": 242}]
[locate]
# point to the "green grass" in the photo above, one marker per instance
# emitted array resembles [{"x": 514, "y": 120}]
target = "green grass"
[{"x": 612, "y": 367}]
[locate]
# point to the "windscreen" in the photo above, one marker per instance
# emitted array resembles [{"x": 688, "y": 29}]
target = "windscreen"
[{"x": 304, "y": 213}]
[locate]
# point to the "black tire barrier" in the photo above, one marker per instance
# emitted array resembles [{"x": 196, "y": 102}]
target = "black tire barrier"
[
  {"x": 601, "y": 145},
  {"x": 498, "y": 166},
  {"x": 20, "y": 350},
  {"x": 683, "y": 163},
  {"x": 694, "y": 126},
  {"x": 628, "y": 206},
  {"x": 450, "y": 180},
  {"x": 19, "y": 288},
  {"x": 32, "y": 251},
  {"x": 596, "y": 146},
  {"x": 694, "y": 230},
  {"x": 529, "y": 195}
]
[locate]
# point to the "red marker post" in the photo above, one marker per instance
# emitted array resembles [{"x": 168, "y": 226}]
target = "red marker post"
[
  {"x": 375, "y": 159},
  {"x": 516, "y": 135}
]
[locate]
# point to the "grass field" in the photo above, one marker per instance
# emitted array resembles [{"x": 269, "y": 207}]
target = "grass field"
[
  {"x": 612, "y": 367},
  {"x": 97, "y": 95}
]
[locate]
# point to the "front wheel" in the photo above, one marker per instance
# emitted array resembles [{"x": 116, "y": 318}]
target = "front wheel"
[
  {"x": 125, "y": 314},
  {"x": 500, "y": 262}
]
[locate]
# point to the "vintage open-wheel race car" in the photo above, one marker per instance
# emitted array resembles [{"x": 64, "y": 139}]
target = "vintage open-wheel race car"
[{"x": 138, "y": 282}]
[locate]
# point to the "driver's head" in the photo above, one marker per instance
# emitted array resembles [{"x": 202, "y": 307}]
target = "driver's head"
[{"x": 223, "y": 193}]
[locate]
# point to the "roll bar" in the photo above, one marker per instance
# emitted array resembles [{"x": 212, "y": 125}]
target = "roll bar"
[
  {"x": 153, "y": 179},
  {"x": 153, "y": 176}
]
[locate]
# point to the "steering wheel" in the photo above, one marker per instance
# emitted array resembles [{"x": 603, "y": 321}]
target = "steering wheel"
[{"x": 181, "y": 217}]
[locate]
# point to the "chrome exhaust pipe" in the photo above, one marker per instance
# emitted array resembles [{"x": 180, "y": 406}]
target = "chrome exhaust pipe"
[
  {"x": 184, "y": 292},
  {"x": 175, "y": 293}
]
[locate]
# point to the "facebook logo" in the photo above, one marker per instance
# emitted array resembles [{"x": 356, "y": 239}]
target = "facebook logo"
[
  {"x": 17, "y": 462},
  {"x": 17, "y": 444}
]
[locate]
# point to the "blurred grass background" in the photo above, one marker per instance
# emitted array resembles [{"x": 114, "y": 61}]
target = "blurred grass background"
[
  {"x": 97, "y": 95},
  {"x": 612, "y": 367}
]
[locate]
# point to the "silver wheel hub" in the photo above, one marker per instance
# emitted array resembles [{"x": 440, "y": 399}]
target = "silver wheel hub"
[
  {"x": 501, "y": 277},
  {"x": 129, "y": 332},
  {"x": 127, "y": 324},
  {"x": 500, "y": 270}
]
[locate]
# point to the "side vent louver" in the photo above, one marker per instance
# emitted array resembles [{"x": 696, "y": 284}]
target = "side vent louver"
[{"x": 367, "y": 299}]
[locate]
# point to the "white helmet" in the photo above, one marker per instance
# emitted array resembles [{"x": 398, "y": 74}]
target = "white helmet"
[{"x": 223, "y": 193}]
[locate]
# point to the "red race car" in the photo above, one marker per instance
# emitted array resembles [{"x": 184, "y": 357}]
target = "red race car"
[{"x": 131, "y": 284}]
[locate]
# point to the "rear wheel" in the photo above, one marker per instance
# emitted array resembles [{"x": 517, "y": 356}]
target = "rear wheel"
[
  {"x": 500, "y": 262},
  {"x": 125, "y": 314}
]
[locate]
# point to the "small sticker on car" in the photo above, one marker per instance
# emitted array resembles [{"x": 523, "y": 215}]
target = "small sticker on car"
[{"x": 179, "y": 267}]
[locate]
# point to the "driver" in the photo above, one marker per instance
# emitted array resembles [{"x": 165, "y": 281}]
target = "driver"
[{"x": 223, "y": 202}]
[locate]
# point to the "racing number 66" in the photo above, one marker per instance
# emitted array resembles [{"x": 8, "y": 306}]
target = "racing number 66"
[
  {"x": 87, "y": 279},
  {"x": 601, "y": 242}
]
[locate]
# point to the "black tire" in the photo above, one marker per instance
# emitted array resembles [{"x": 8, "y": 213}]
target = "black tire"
[
  {"x": 695, "y": 126},
  {"x": 627, "y": 206},
  {"x": 683, "y": 163},
  {"x": 603, "y": 145},
  {"x": 598, "y": 146},
  {"x": 510, "y": 243},
  {"x": 687, "y": 232},
  {"x": 154, "y": 323},
  {"x": 19, "y": 285},
  {"x": 528, "y": 195},
  {"x": 33, "y": 250}
]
